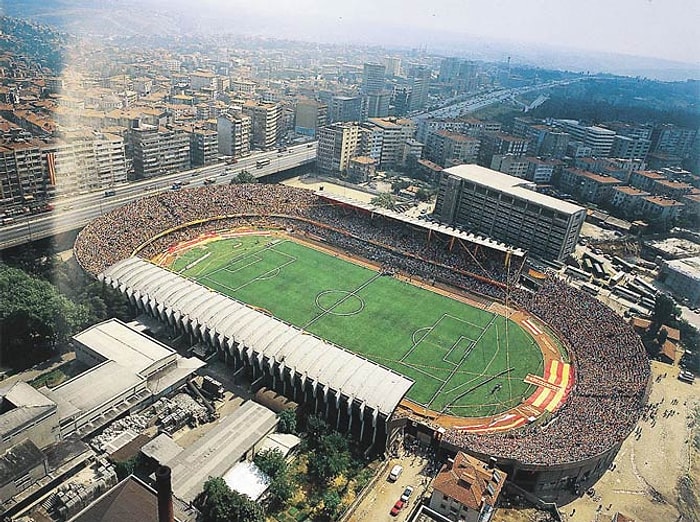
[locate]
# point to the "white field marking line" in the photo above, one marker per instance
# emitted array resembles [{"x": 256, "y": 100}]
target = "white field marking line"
[
  {"x": 348, "y": 295},
  {"x": 454, "y": 371},
  {"x": 195, "y": 262},
  {"x": 531, "y": 327},
  {"x": 257, "y": 257},
  {"x": 331, "y": 312},
  {"x": 419, "y": 369},
  {"x": 468, "y": 350},
  {"x": 483, "y": 332},
  {"x": 215, "y": 257},
  {"x": 417, "y": 366},
  {"x": 266, "y": 275},
  {"x": 428, "y": 330}
]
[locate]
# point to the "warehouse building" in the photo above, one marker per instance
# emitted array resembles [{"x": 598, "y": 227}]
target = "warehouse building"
[{"x": 128, "y": 370}]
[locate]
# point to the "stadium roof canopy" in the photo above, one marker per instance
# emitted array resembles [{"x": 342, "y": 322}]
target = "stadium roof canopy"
[
  {"x": 315, "y": 359},
  {"x": 428, "y": 225}
]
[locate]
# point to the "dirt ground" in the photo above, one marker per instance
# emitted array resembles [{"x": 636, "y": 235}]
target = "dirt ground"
[
  {"x": 311, "y": 183},
  {"x": 644, "y": 482},
  {"x": 375, "y": 506}
]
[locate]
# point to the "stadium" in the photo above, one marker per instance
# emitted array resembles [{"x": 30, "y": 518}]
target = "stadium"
[{"x": 383, "y": 324}]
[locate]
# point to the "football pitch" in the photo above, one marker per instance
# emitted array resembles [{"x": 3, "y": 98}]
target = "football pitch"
[{"x": 465, "y": 361}]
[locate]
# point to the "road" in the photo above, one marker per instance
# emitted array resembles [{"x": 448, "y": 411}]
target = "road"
[
  {"x": 479, "y": 101},
  {"x": 71, "y": 213}
]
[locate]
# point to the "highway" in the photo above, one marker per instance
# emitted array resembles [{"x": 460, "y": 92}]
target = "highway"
[
  {"x": 479, "y": 101},
  {"x": 71, "y": 213}
]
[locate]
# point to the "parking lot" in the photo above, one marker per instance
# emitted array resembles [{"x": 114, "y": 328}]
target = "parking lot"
[{"x": 377, "y": 504}]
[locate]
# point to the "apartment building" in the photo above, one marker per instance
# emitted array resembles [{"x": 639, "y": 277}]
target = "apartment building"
[
  {"x": 661, "y": 208},
  {"x": 599, "y": 139},
  {"x": 588, "y": 186},
  {"x": 393, "y": 133},
  {"x": 500, "y": 143},
  {"x": 345, "y": 108},
  {"x": 233, "y": 134},
  {"x": 541, "y": 170},
  {"x": 510, "y": 164},
  {"x": 22, "y": 177},
  {"x": 204, "y": 146},
  {"x": 159, "y": 150},
  {"x": 628, "y": 199},
  {"x": 444, "y": 146},
  {"x": 265, "y": 123},
  {"x": 84, "y": 161},
  {"x": 671, "y": 140},
  {"x": 506, "y": 208},
  {"x": 625, "y": 147},
  {"x": 309, "y": 116},
  {"x": 337, "y": 143}
]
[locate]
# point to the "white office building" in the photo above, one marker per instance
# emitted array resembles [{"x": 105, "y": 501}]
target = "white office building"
[{"x": 506, "y": 208}]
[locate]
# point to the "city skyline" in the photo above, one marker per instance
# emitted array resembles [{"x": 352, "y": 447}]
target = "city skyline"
[
  {"x": 636, "y": 27},
  {"x": 627, "y": 37}
]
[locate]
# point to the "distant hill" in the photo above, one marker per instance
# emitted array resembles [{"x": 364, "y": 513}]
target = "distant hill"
[{"x": 124, "y": 18}]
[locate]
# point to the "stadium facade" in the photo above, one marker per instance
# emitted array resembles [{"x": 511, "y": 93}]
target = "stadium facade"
[{"x": 355, "y": 395}]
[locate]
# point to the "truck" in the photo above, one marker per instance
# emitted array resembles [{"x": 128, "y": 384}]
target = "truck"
[{"x": 212, "y": 388}]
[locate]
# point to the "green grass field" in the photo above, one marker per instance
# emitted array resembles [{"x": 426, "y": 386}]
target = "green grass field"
[{"x": 465, "y": 361}]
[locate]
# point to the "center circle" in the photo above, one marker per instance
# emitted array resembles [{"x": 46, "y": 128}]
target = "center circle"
[{"x": 339, "y": 302}]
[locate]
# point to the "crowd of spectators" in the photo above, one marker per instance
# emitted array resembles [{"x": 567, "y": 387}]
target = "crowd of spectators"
[
  {"x": 611, "y": 371},
  {"x": 143, "y": 225},
  {"x": 608, "y": 357}
]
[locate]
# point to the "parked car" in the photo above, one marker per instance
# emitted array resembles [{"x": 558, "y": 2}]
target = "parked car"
[
  {"x": 397, "y": 507},
  {"x": 407, "y": 493},
  {"x": 395, "y": 473}
]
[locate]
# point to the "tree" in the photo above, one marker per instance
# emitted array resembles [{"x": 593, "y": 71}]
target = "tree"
[
  {"x": 665, "y": 310},
  {"x": 331, "y": 503},
  {"x": 331, "y": 458},
  {"x": 244, "y": 177},
  {"x": 316, "y": 429},
  {"x": 281, "y": 489},
  {"x": 218, "y": 503},
  {"x": 422, "y": 194},
  {"x": 101, "y": 300},
  {"x": 398, "y": 186},
  {"x": 287, "y": 421},
  {"x": 271, "y": 462},
  {"x": 661, "y": 336},
  {"x": 34, "y": 318},
  {"x": 384, "y": 200}
]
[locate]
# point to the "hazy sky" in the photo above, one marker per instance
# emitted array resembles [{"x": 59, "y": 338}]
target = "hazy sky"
[{"x": 656, "y": 28}]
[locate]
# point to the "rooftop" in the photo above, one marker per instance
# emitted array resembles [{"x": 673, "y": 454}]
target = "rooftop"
[
  {"x": 510, "y": 185},
  {"x": 129, "y": 348},
  {"x": 470, "y": 482},
  {"x": 222, "y": 447},
  {"x": 631, "y": 191},
  {"x": 18, "y": 461},
  {"x": 689, "y": 266},
  {"x": 22, "y": 405}
]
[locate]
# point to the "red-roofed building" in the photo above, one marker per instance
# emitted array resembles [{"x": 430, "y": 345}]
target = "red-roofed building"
[{"x": 465, "y": 488}]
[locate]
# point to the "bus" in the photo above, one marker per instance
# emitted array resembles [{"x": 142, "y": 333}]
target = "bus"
[{"x": 261, "y": 163}]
